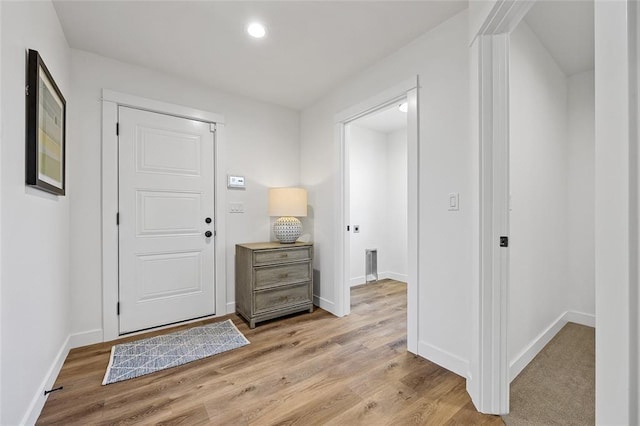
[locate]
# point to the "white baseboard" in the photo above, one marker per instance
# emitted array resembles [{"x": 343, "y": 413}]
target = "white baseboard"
[
  {"x": 528, "y": 353},
  {"x": 393, "y": 276},
  {"x": 581, "y": 318},
  {"x": 325, "y": 304},
  {"x": 357, "y": 281},
  {"x": 444, "y": 359},
  {"x": 38, "y": 400},
  {"x": 231, "y": 307},
  {"x": 381, "y": 276},
  {"x": 85, "y": 338}
]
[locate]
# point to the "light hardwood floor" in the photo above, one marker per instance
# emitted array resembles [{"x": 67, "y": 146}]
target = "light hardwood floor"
[{"x": 304, "y": 369}]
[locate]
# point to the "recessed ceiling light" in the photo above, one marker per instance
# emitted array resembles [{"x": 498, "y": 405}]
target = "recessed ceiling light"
[
  {"x": 404, "y": 107},
  {"x": 256, "y": 30}
]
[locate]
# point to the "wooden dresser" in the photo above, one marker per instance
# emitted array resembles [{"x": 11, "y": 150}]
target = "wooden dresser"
[{"x": 273, "y": 280}]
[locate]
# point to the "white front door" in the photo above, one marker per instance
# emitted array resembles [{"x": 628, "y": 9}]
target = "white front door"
[{"x": 166, "y": 223}]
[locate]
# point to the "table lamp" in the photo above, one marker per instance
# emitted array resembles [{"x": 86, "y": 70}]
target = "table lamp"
[{"x": 287, "y": 203}]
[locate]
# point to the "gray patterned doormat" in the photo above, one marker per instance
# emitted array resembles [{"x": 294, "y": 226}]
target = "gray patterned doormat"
[{"x": 135, "y": 359}]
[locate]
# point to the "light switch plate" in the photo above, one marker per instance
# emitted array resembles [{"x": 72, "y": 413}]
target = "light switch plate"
[
  {"x": 236, "y": 207},
  {"x": 454, "y": 201}
]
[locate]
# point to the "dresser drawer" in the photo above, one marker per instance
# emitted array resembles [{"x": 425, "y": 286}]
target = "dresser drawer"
[
  {"x": 280, "y": 297},
  {"x": 268, "y": 276},
  {"x": 267, "y": 257}
]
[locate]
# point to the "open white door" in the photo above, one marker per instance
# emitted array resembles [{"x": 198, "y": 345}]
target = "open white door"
[{"x": 166, "y": 224}]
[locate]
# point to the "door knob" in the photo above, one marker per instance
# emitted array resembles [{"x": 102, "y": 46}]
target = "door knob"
[
  {"x": 208, "y": 234},
  {"x": 208, "y": 220}
]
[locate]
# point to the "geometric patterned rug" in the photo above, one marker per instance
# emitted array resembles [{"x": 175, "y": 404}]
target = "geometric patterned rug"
[{"x": 135, "y": 359}]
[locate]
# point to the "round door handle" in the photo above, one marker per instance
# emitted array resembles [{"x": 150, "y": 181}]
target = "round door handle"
[
  {"x": 208, "y": 220},
  {"x": 208, "y": 234}
]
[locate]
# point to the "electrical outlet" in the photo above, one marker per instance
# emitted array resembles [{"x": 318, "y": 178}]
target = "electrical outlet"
[{"x": 236, "y": 207}]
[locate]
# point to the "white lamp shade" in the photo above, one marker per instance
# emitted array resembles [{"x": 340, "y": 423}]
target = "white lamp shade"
[{"x": 288, "y": 202}]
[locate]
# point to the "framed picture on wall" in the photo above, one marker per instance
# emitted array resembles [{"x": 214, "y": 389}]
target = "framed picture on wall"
[{"x": 45, "y": 132}]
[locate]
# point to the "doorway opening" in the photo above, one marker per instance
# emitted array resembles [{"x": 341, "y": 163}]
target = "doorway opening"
[
  {"x": 551, "y": 213},
  {"x": 376, "y": 146},
  {"x": 377, "y": 169},
  {"x": 353, "y": 271},
  {"x": 112, "y": 102}
]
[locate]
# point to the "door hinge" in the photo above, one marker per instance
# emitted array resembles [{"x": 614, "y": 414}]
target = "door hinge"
[
  {"x": 504, "y": 241},
  {"x": 26, "y": 90},
  {"x": 118, "y": 308},
  {"x": 118, "y": 218},
  {"x": 117, "y": 129}
]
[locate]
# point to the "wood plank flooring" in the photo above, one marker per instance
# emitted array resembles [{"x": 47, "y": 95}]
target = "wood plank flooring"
[{"x": 304, "y": 369}]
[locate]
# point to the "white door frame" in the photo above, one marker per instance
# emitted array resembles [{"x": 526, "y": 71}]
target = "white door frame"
[
  {"x": 617, "y": 196},
  {"x": 409, "y": 90},
  {"x": 489, "y": 381},
  {"x": 111, "y": 100}
]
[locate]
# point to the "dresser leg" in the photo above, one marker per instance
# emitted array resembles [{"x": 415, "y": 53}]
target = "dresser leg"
[{"x": 252, "y": 324}]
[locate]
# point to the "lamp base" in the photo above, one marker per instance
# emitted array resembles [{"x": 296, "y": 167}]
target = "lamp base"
[{"x": 287, "y": 229}]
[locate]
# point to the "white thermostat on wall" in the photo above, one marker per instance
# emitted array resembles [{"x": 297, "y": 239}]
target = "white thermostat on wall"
[{"x": 235, "y": 182}]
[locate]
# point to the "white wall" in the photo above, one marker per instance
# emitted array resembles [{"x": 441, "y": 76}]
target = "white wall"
[
  {"x": 35, "y": 228},
  {"x": 538, "y": 275},
  {"x": 581, "y": 192},
  {"x": 368, "y": 197},
  {"x": 440, "y": 58},
  {"x": 396, "y": 206},
  {"x": 552, "y": 248},
  {"x": 378, "y": 195},
  {"x": 261, "y": 143}
]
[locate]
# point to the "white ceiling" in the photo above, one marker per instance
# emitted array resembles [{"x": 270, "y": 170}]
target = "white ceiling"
[
  {"x": 310, "y": 48},
  {"x": 570, "y": 46},
  {"x": 565, "y": 28},
  {"x": 387, "y": 120}
]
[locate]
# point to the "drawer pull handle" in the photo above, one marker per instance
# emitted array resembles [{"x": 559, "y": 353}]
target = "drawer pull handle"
[
  {"x": 284, "y": 275},
  {"x": 284, "y": 255}
]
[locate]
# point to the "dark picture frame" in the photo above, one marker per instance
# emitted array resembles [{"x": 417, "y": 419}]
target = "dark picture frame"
[{"x": 45, "y": 128}]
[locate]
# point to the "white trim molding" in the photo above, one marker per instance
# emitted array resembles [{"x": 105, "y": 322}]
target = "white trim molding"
[
  {"x": 111, "y": 100},
  {"x": 85, "y": 338},
  {"x": 536, "y": 345},
  {"x": 444, "y": 359},
  {"x": 580, "y": 318},
  {"x": 488, "y": 382},
  {"x": 617, "y": 194},
  {"x": 323, "y": 303},
  {"x": 39, "y": 399},
  {"x": 381, "y": 276},
  {"x": 353, "y": 282},
  {"x": 491, "y": 329},
  {"x": 394, "y": 276},
  {"x": 124, "y": 99}
]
